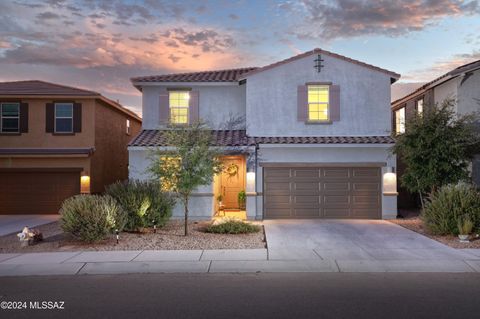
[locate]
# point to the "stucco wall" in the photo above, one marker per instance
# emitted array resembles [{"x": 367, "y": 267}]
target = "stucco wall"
[
  {"x": 217, "y": 104},
  {"x": 364, "y": 99},
  {"x": 36, "y": 136},
  {"x": 110, "y": 160},
  {"x": 469, "y": 94},
  {"x": 447, "y": 90}
]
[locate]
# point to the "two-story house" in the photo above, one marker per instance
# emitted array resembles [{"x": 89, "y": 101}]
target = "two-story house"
[
  {"x": 461, "y": 84},
  {"x": 315, "y": 142},
  {"x": 57, "y": 141}
]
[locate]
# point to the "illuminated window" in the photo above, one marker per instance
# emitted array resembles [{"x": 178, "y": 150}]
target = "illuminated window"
[
  {"x": 318, "y": 103},
  {"x": 419, "y": 107},
  {"x": 10, "y": 117},
  {"x": 179, "y": 101},
  {"x": 63, "y": 117},
  {"x": 400, "y": 121},
  {"x": 128, "y": 127}
]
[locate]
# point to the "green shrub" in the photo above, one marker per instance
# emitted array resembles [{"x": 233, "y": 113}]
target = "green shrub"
[
  {"x": 465, "y": 226},
  {"x": 144, "y": 203},
  {"x": 91, "y": 217},
  {"x": 449, "y": 204},
  {"x": 233, "y": 227}
]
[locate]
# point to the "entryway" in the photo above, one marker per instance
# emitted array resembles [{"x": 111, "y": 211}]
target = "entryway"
[{"x": 229, "y": 186}]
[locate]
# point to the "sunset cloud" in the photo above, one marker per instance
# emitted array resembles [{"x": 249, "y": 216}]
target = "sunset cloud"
[{"x": 351, "y": 18}]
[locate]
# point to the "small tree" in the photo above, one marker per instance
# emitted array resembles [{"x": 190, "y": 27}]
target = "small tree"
[
  {"x": 436, "y": 148},
  {"x": 188, "y": 162}
]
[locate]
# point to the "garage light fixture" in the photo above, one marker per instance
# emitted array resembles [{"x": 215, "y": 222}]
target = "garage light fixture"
[
  {"x": 85, "y": 184},
  {"x": 390, "y": 182}
]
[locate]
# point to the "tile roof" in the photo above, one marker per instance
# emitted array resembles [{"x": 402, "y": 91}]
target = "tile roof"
[
  {"x": 47, "y": 151},
  {"x": 240, "y": 138},
  {"x": 35, "y": 87},
  {"x": 451, "y": 74},
  {"x": 230, "y": 75}
]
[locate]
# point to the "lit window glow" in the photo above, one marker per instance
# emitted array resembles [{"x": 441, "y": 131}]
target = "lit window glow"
[
  {"x": 400, "y": 121},
  {"x": 179, "y": 101},
  {"x": 420, "y": 107},
  {"x": 318, "y": 98}
]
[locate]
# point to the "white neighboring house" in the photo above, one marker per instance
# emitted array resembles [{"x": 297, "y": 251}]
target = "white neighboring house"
[
  {"x": 461, "y": 84},
  {"x": 315, "y": 142}
]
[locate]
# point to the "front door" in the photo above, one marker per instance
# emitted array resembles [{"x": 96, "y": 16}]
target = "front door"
[{"x": 232, "y": 180}]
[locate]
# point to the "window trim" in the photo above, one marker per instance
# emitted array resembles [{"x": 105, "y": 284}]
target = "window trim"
[
  {"x": 55, "y": 118},
  {"x": 423, "y": 105},
  {"x": 12, "y": 117},
  {"x": 328, "y": 120},
  {"x": 179, "y": 107},
  {"x": 397, "y": 121}
]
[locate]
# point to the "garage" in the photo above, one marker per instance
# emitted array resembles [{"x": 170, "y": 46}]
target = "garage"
[
  {"x": 36, "y": 192},
  {"x": 322, "y": 192}
]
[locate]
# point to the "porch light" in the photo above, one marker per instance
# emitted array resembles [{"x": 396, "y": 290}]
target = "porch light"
[
  {"x": 250, "y": 182},
  {"x": 390, "y": 182},
  {"x": 85, "y": 184}
]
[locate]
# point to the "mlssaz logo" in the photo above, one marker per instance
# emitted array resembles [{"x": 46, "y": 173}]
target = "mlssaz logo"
[{"x": 47, "y": 305}]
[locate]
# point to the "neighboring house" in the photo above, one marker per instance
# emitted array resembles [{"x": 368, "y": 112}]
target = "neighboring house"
[
  {"x": 57, "y": 141},
  {"x": 315, "y": 142},
  {"x": 461, "y": 84}
]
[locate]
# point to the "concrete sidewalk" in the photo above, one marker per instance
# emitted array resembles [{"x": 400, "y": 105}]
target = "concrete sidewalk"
[{"x": 228, "y": 261}]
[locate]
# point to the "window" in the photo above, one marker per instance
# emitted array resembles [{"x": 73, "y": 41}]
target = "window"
[
  {"x": 128, "y": 127},
  {"x": 10, "y": 117},
  {"x": 63, "y": 117},
  {"x": 179, "y": 101},
  {"x": 419, "y": 106},
  {"x": 400, "y": 121},
  {"x": 318, "y": 97}
]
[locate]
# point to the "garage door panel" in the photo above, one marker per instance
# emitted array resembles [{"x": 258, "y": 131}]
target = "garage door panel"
[
  {"x": 323, "y": 192},
  {"x": 307, "y": 212},
  {"x": 36, "y": 192}
]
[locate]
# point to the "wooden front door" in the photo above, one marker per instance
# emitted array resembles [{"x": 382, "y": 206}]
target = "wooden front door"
[{"x": 232, "y": 180}]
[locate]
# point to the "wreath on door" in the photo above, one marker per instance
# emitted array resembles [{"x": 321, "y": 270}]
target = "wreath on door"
[{"x": 232, "y": 170}]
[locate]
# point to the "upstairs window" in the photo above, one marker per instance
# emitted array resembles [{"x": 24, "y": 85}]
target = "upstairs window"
[
  {"x": 400, "y": 121},
  {"x": 63, "y": 117},
  {"x": 419, "y": 106},
  {"x": 128, "y": 127},
  {"x": 318, "y": 103},
  {"x": 10, "y": 117},
  {"x": 178, "y": 102}
]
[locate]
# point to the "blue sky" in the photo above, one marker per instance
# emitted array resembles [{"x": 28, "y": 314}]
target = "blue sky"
[{"x": 99, "y": 44}]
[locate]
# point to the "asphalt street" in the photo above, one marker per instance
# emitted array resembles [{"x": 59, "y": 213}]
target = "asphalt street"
[{"x": 261, "y": 295}]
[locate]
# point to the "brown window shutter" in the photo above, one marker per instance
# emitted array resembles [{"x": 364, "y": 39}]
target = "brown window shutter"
[
  {"x": 194, "y": 110},
  {"x": 49, "y": 118},
  {"x": 164, "y": 107},
  {"x": 334, "y": 103},
  {"x": 302, "y": 103},
  {"x": 23, "y": 117},
  {"x": 77, "y": 117}
]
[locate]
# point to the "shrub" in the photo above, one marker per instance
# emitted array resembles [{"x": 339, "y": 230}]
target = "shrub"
[
  {"x": 91, "y": 217},
  {"x": 465, "y": 226},
  {"x": 449, "y": 204},
  {"x": 231, "y": 226},
  {"x": 143, "y": 201}
]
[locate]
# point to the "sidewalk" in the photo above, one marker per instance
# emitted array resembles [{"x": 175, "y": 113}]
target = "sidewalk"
[{"x": 228, "y": 261}]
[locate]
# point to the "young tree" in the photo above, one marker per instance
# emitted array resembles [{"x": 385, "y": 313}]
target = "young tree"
[
  {"x": 188, "y": 162},
  {"x": 436, "y": 148}
]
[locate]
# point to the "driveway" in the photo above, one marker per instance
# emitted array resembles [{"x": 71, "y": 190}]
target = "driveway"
[
  {"x": 352, "y": 240},
  {"x": 15, "y": 223}
]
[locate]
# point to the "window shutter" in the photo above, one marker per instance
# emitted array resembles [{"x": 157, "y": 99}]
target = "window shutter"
[
  {"x": 164, "y": 107},
  {"x": 302, "y": 103},
  {"x": 23, "y": 117},
  {"x": 334, "y": 103},
  {"x": 194, "y": 110},
  {"x": 77, "y": 117},
  {"x": 49, "y": 118}
]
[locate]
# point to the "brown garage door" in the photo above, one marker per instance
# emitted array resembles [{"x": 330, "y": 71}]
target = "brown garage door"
[
  {"x": 36, "y": 192},
  {"x": 322, "y": 192}
]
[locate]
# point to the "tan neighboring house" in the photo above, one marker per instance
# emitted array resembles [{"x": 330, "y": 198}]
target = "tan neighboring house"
[{"x": 57, "y": 141}]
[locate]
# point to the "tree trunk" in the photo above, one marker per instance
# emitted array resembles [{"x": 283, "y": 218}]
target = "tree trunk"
[
  {"x": 421, "y": 201},
  {"x": 185, "y": 203}
]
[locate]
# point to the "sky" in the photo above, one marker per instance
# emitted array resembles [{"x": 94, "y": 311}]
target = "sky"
[{"x": 99, "y": 44}]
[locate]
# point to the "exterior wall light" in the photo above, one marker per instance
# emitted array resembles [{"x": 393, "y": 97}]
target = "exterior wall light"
[
  {"x": 250, "y": 182},
  {"x": 390, "y": 182},
  {"x": 85, "y": 184}
]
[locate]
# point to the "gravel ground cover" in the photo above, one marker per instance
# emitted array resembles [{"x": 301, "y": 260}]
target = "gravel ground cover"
[
  {"x": 416, "y": 224},
  {"x": 169, "y": 237}
]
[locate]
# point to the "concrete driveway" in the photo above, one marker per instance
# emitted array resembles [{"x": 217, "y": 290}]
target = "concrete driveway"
[
  {"x": 364, "y": 240},
  {"x": 15, "y": 223}
]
